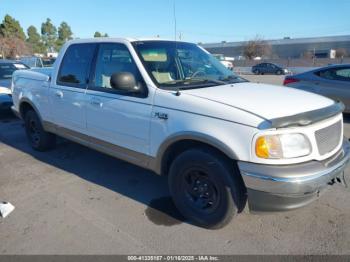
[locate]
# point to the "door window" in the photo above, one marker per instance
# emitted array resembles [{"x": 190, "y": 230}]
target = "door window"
[
  {"x": 75, "y": 65},
  {"x": 113, "y": 58}
]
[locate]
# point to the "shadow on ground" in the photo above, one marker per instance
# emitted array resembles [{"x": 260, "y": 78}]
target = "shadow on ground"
[{"x": 123, "y": 178}]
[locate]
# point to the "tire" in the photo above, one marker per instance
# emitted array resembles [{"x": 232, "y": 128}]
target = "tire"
[
  {"x": 257, "y": 72},
  {"x": 206, "y": 188},
  {"x": 38, "y": 138},
  {"x": 279, "y": 72}
]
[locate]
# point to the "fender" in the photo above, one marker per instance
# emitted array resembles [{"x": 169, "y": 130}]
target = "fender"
[
  {"x": 26, "y": 100},
  {"x": 189, "y": 135}
]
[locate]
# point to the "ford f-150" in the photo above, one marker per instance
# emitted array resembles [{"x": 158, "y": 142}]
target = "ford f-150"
[{"x": 173, "y": 108}]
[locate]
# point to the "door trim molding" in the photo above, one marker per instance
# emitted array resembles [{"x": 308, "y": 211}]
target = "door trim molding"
[{"x": 131, "y": 156}]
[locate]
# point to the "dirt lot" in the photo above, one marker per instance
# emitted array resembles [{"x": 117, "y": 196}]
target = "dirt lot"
[{"x": 74, "y": 200}]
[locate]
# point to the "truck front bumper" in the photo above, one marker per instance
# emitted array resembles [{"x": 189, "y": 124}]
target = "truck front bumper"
[{"x": 278, "y": 188}]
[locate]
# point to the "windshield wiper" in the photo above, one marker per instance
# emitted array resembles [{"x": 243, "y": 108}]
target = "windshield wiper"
[
  {"x": 191, "y": 80},
  {"x": 208, "y": 80},
  {"x": 232, "y": 78}
]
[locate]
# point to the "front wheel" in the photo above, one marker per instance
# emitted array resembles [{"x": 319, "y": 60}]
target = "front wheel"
[
  {"x": 206, "y": 188},
  {"x": 39, "y": 139}
]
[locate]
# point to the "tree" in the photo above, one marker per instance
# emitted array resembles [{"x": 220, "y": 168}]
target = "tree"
[
  {"x": 12, "y": 38},
  {"x": 34, "y": 40},
  {"x": 98, "y": 34},
  {"x": 11, "y": 28},
  {"x": 13, "y": 47},
  {"x": 308, "y": 54},
  {"x": 49, "y": 34},
  {"x": 341, "y": 53},
  {"x": 64, "y": 34},
  {"x": 256, "y": 47}
]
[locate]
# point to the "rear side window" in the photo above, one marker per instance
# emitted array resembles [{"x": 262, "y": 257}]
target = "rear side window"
[{"x": 75, "y": 66}]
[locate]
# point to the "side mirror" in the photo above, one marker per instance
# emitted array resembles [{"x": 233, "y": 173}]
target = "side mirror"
[{"x": 124, "y": 81}]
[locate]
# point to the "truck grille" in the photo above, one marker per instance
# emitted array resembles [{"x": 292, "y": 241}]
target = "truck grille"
[{"x": 328, "y": 138}]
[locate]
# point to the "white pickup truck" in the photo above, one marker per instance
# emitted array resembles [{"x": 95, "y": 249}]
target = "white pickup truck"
[{"x": 172, "y": 108}]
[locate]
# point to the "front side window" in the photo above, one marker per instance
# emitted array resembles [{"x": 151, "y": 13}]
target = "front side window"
[
  {"x": 111, "y": 59},
  {"x": 178, "y": 65},
  {"x": 75, "y": 65}
]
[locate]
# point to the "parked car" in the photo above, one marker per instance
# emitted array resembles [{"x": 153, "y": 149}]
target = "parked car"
[
  {"x": 32, "y": 61},
  {"x": 174, "y": 109},
  {"x": 331, "y": 81},
  {"x": 269, "y": 69},
  {"x": 221, "y": 58},
  {"x": 7, "y": 67},
  {"x": 48, "y": 62}
]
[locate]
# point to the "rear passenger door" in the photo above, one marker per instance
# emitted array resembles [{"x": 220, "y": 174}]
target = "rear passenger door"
[
  {"x": 119, "y": 121},
  {"x": 67, "y": 95}
]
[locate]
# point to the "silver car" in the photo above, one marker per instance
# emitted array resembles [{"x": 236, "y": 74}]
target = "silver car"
[{"x": 331, "y": 81}]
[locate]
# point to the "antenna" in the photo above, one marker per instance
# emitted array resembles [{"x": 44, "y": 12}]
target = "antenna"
[
  {"x": 178, "y": 93},
  {"x": 175, "y": 23}
]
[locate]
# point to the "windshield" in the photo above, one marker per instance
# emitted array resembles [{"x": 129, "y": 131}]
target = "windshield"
[
  {"x": 7, "y": 69},
  {"x": 178, "y": 65}
]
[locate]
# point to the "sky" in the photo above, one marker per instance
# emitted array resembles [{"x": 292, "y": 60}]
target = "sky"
[{"x": 197, "y": 20}]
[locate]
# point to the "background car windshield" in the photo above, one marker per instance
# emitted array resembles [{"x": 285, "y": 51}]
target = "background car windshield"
[
  {"x": 176, "y": 64},
  {"x": 6, "y": 70}
]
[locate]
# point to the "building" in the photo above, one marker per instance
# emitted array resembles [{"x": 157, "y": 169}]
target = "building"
[{"x": 288, "y": 47}]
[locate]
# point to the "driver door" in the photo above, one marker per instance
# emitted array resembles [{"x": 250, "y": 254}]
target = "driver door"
[{"x": 116, "y": 119}]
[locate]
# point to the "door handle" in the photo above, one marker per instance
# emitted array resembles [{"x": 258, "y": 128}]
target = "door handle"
[{"x": 59, "y": 94}]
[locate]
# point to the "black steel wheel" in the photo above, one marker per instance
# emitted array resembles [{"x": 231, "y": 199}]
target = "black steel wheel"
[
  {"x": 38, "y": 138},
  {"x": 205, "y": 188}
]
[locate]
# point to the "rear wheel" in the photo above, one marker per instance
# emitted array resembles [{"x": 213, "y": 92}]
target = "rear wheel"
[
  {"x": 38, "y": 138},
  {"x": 206, "y": 189}
]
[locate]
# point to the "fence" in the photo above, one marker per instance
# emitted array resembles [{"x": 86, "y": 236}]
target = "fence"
[{"x": 297, "y": 62}]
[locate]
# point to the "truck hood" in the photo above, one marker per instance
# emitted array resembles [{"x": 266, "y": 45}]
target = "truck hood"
[{"x": 265, "y": 101}]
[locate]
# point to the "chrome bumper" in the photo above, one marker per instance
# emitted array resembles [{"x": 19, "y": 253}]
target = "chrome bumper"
[{"x": 301, "y": 181}]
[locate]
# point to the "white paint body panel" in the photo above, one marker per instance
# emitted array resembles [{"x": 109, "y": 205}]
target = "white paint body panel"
[{"x": 229, "y": 114}]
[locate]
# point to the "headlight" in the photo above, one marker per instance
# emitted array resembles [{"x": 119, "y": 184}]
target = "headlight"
[{"x": 282, "y": 146}]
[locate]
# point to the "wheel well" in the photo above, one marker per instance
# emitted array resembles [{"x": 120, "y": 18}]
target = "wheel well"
[
  {"x": 181, "y": 146},
  {"x": 24, "y": 108}
]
